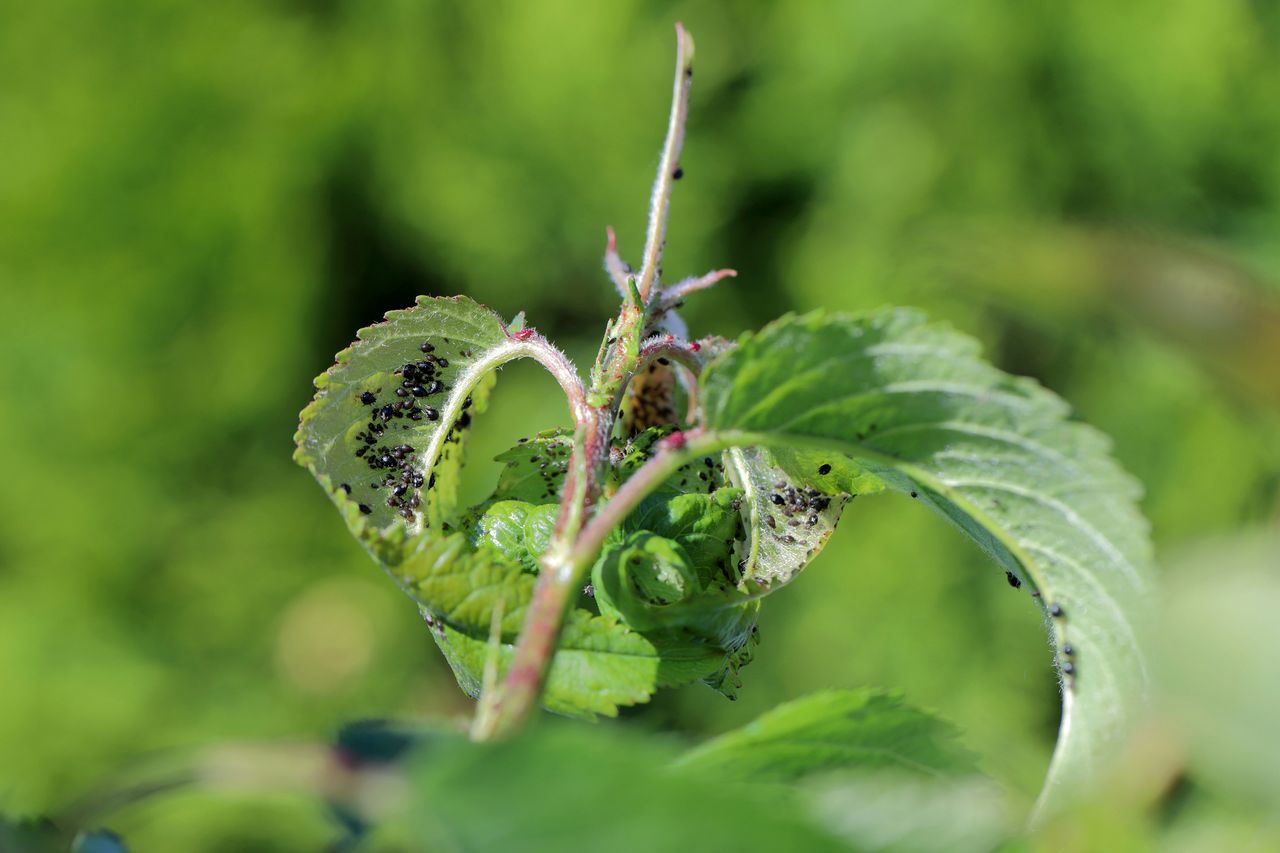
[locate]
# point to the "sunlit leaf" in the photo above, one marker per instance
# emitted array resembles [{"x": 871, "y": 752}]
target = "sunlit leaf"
[{"x": 913, "y": 404}]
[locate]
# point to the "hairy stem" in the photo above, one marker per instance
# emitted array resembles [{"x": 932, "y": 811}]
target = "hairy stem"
[{"x": 572, "y": 549}]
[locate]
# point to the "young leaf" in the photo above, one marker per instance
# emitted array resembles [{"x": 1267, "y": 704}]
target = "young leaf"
[
  {"x": 517, "y": 530},
  {"x": 382, "y": 434},
  {"x": 601, "y": 663},
  {"x": 705, "y": 525},
  {"x": 836, "y": 730},
  {"x": 913, "y": 404}
]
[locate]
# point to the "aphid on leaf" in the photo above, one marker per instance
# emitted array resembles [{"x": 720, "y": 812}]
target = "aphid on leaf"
[
  {"x": 1055, "y": 610},
  {"x": 824, "y": 469},
  {"x": 1012, "y": 579},
  {"x": 368, "y": 398}
]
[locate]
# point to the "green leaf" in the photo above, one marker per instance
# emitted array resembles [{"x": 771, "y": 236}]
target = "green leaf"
[
  {"x": 913, "y": 404},
  {"x": 391, "y": 462},
  {"x": 562, "y": 787},
  {"x": 519, "y": 531},
  {"x": 601, "y": 664},
  {"x": 836, "y": 730},
  {"x": 534, "y": 469}
]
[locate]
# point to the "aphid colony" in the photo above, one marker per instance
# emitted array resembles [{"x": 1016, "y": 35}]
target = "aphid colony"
[
  {"x": 401, "y": 477},
  {"x": 798, "y": 507},
  {"x": 547, "y": 465}
]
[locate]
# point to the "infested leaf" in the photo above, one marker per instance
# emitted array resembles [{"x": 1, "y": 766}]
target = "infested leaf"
[
  {"x": 913, "y": 404},
  {"x": 534, "y": 470},
  {"x": 384, "y": 432},
  {"x": 787, "y": 522}
]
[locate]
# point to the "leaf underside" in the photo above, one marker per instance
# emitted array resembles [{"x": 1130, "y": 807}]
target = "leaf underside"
[{"x": 911, "y": 403}]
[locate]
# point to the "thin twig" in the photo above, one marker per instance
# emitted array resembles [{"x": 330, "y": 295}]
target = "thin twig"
[
  {"x": 676, "y": 292},
  {"x": 672, "y": 348},
  {"x": 614, "y": 265},
  {"x": 660, "y": 201}
]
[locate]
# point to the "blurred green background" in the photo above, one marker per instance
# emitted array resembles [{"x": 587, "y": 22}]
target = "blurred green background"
[{"x": 201, "y": 202}]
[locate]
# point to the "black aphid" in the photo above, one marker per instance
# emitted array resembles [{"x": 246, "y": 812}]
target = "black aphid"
[
  {"x": 1068, "y": 650},
  {"x": 346, "y": 488},
  {"x": 1068, "y": 668},
  {"x": 915, "y": 495},
  {"x": 443, "y": 362},
  {"x": 431, "y": 414},
  {"x": 1055, "y": 610},
  {"x": 1012, "y": 579},
  {"x": 418, "y": 391},
  {"x": 824, "y": 469},
  {"x": 366, "y": 509},
  {"x": 368, "y": 398},
  {"x": 777, "y": 500},
  {"x": 400, "y": 392},
  {"x": 427, "y": 347},
  {"x": 677, "y": 174}
]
